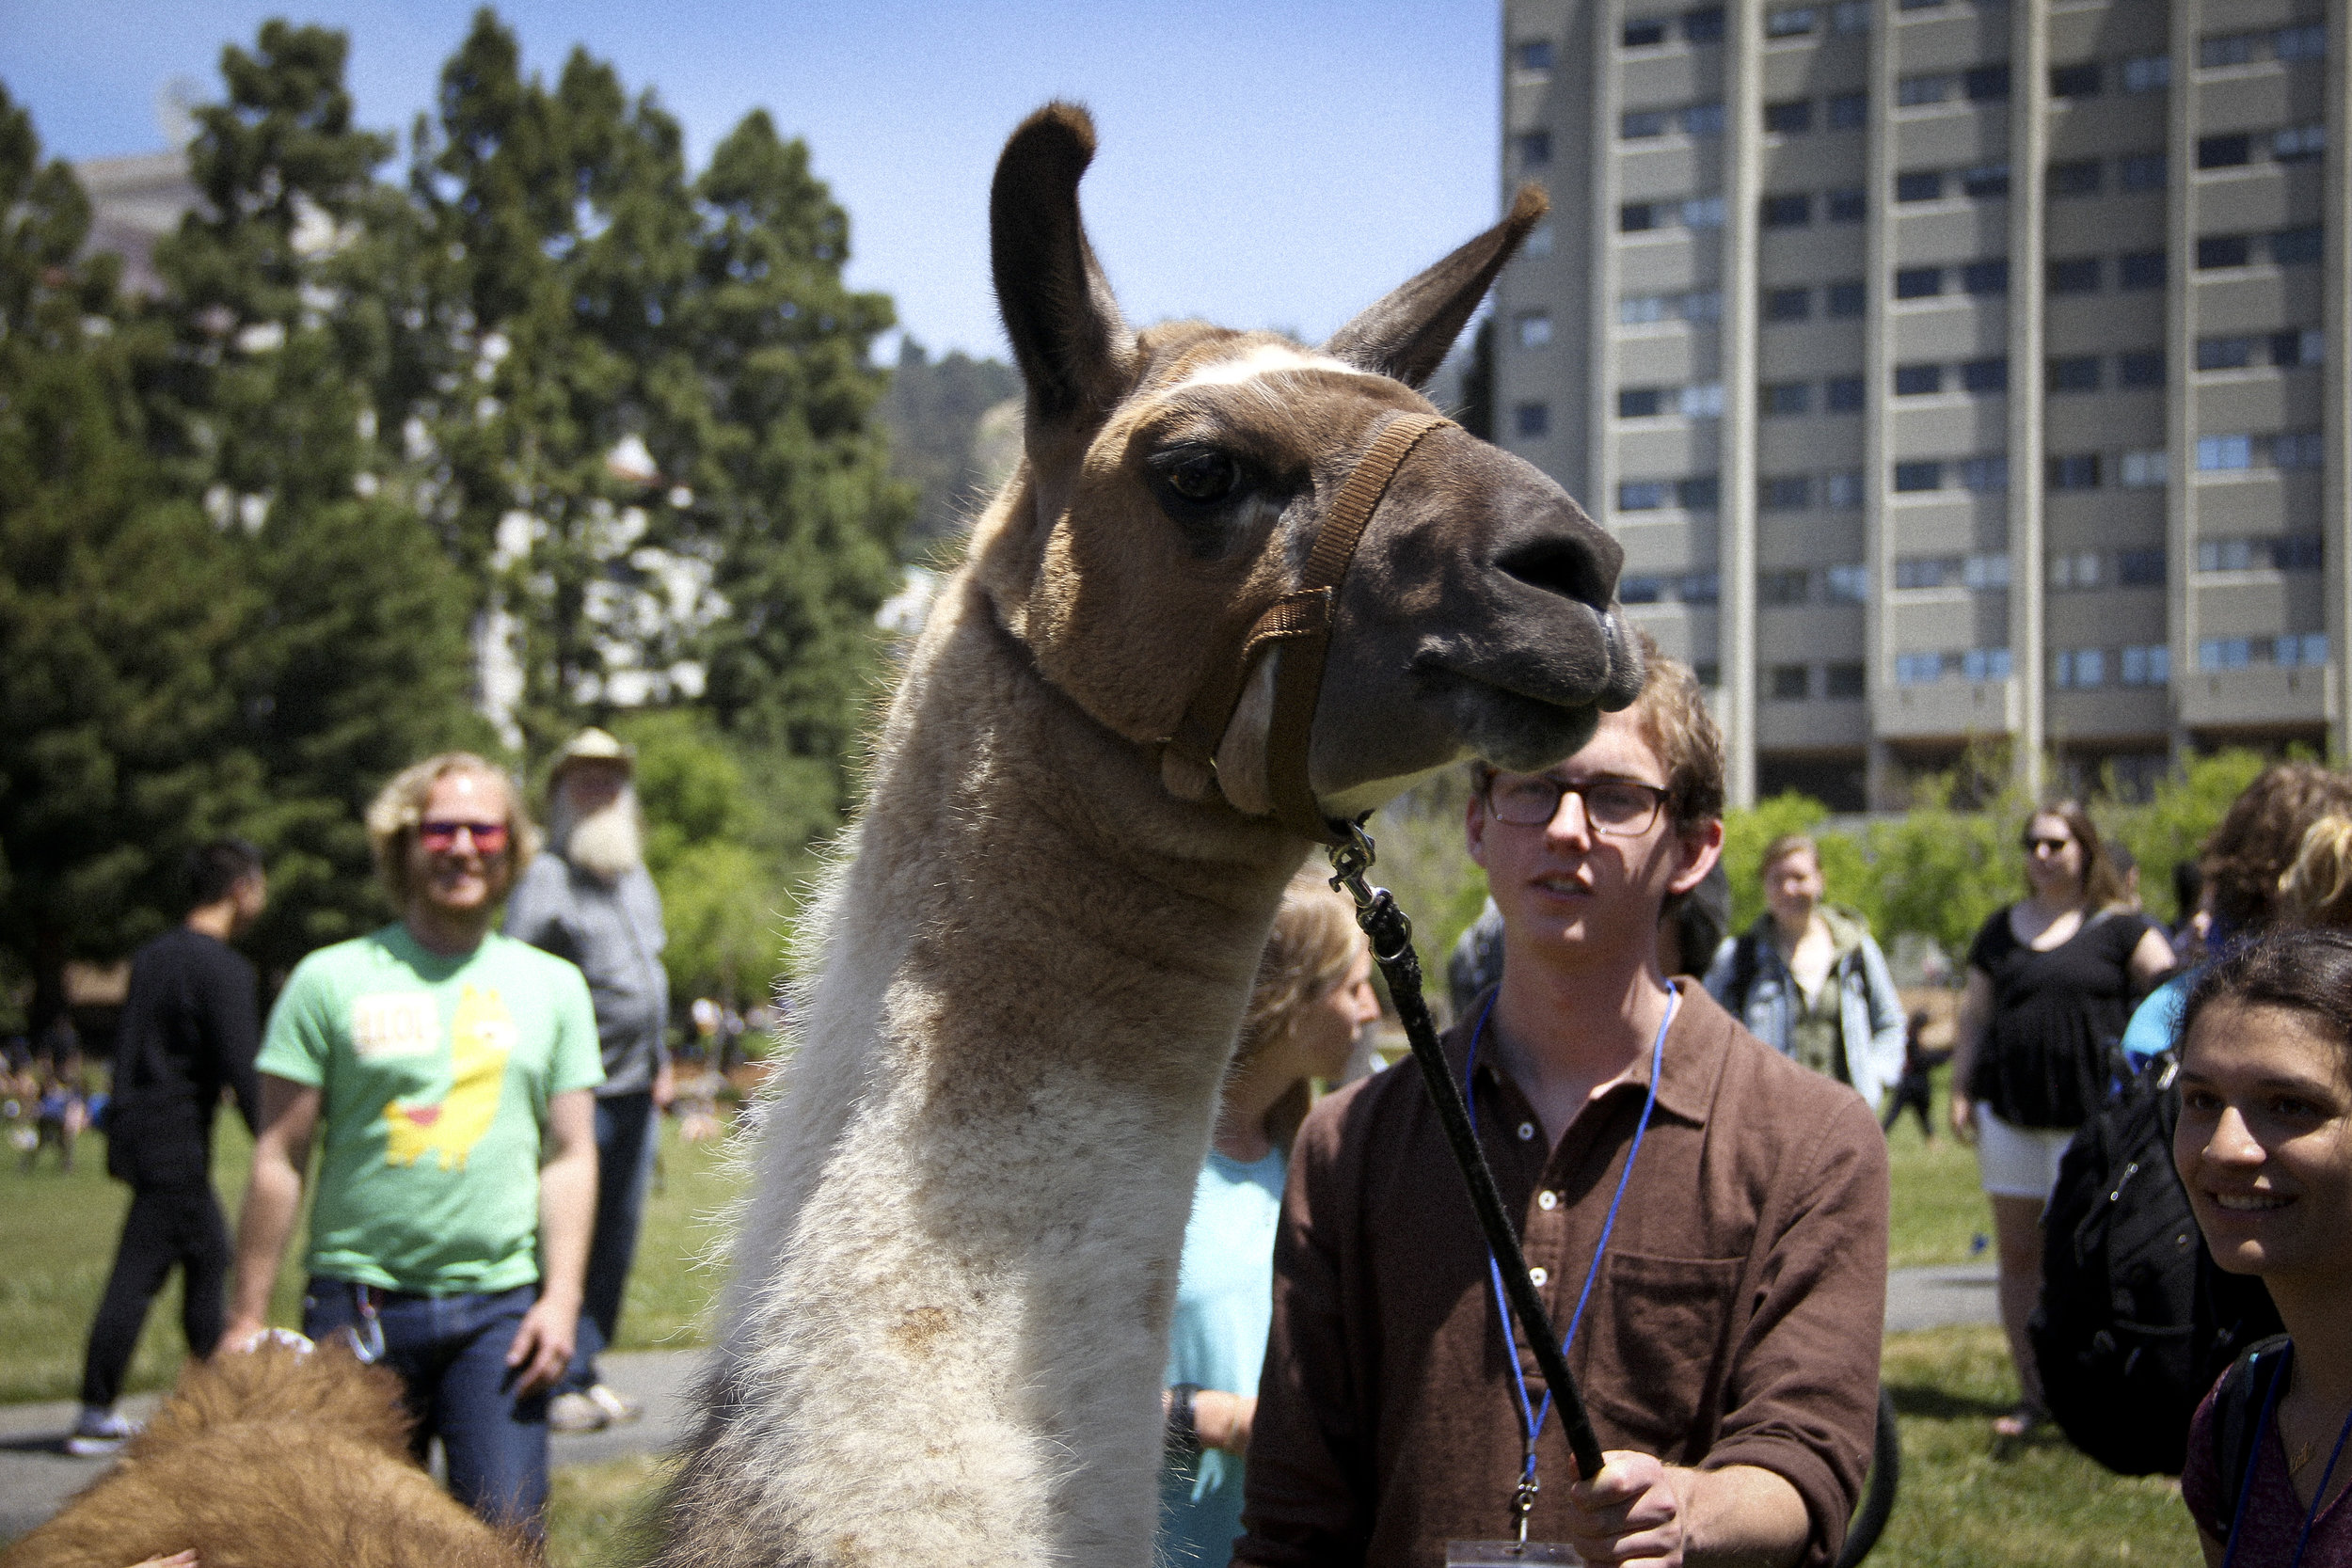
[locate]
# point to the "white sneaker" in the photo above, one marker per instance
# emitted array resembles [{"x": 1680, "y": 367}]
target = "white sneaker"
[
  {"x": 100, "y": 1434},
  {"x": 574, "y": 1412},
  {"x": 617, "y": 1407}
]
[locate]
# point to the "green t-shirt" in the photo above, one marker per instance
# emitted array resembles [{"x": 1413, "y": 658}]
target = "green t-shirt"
[{"x": 435, "y": 1075}]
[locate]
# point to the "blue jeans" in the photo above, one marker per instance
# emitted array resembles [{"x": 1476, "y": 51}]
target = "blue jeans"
[
  {"x": 627, "y": 1131},
  {"x": 451, "y": 1353}
]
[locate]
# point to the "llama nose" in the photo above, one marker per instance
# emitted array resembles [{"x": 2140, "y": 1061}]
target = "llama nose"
[{"x": 1557, "y": 548}]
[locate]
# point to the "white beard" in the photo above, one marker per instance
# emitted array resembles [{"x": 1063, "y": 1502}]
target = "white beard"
[{"x": 606, "y": 843}]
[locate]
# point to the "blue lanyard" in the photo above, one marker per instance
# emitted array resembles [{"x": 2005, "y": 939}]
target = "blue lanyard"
[
  {"x": 1531, "y": 1416},
  {"x": 2246, "y": 1483}
]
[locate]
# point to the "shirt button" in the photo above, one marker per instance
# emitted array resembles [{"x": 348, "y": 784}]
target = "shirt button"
[
  {"x": 1539, "y": 1277},
  {"x": 1527, "y": 1130},
  {"x": 1547, "y": 1201}
]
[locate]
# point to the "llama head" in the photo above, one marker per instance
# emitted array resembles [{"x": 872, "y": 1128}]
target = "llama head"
[{"x": 1175, "y": 476}]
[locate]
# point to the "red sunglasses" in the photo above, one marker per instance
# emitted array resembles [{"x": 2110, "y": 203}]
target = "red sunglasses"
[{"x": 489, "y": 838}]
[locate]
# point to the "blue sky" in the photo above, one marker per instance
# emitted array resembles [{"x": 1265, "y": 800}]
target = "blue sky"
[{"x": 1273, "y": 165}]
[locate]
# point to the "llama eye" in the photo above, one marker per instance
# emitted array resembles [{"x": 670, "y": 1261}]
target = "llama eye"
[{"x": 1203, "y": 477}]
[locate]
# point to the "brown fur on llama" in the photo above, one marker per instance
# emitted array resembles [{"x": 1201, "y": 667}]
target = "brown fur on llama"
[
  {"x": 273, "y": 1460},
  {"x": 942, "y": 1338}
]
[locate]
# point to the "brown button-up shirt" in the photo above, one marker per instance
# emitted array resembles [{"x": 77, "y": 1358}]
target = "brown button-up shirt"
[{"x": 1735, "y": 1319}]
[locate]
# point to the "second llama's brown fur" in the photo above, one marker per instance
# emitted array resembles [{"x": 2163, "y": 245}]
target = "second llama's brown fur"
[{"x": 277, "y": 1459}]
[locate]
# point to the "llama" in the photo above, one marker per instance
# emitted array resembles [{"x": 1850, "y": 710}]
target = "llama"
[
  {"x": 283, "y": 1458},
  {"x": 942, "y": 1337}
]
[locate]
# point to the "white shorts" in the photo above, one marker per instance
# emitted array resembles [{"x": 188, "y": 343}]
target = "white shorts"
[{"x": 2018, "y": 1162}]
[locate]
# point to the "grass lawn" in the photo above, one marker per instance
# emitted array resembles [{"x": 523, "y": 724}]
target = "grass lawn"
[
  {"x": 57, "y": 1234},
  {"x": 1939, "y": 1209}
]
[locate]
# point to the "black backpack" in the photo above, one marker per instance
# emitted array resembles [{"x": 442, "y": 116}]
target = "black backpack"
[
  {"x": 2238, "y": 1400},
  {"x": 2136, "y": 1320}
]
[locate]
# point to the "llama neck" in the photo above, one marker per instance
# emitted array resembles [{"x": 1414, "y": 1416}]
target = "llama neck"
[{"x": 949, "y": 1316}]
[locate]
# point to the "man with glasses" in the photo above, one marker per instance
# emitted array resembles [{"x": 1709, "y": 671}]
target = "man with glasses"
[
  {"x": 448, "y": 1071},
  {"x": 1704, "y": 1220}
]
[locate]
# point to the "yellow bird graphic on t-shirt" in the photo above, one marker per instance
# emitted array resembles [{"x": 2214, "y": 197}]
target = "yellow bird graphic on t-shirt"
[{"x": 480, "y": 1038}]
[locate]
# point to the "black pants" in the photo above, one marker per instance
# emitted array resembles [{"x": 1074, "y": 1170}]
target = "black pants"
[
  {"x": 165, "y": 1225},
  {"x": 1912, "y": 1090}
]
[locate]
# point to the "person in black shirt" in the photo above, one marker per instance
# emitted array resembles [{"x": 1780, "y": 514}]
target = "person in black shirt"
[{"x": 190, "y": 1028}]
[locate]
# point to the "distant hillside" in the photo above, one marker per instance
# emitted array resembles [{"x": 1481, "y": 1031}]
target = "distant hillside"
[{"x": 933, "y": 411}]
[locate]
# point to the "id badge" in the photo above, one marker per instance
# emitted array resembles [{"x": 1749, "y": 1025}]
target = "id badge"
[{"x": 1509, "y": 1554}]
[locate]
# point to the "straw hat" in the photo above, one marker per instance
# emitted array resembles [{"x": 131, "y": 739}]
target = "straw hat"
[{"x": 593, "y": 745}]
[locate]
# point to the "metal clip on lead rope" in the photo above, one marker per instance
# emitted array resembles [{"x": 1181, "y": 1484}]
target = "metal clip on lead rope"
[{"x": 1392, "y": 936}]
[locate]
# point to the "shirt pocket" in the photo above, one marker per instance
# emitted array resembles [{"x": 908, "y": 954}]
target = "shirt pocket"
[{"x": 1661, "y": 1331}]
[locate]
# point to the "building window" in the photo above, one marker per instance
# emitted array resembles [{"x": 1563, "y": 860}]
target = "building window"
[
  {"x": 1533, "y": 55},
  {"x": 1986, "y": 84},
  {"x": 1846, "y": 204},
  {"x": 1538, "y": 241},
  {"x": 2226, "y": 49},
  {"x": 2075, "y": 81},
  {"x": 1702, "y": 120},
  {"x": 1985, "y": 277},
  {"x": 1702, "y": 400},
  {"x": 1912, "y": 381},
  {"x": 1846, "y": 111},
  {"x": 1787, "y": 587},
  {"x": 1851, "y": 16},
  {"x": 1919, "y": 185},
  {"x": 2139, "y": 368},
  {"x": 1534, "y": 328},
  {"x": 1787, "y": 304},
  {"x": 2076, "y": 178},
  {"x": 2298, "y": 448},
  {"x": 1703, "y": 211},
  {"x": 2078, "y": 274},
  {"x": 1848, "y": 582},
  {"x": 1984, "y": 376},
  {"x": 2308, "y": 41},
  {"x": 2224, "y": 250},
  {"x": 2225, "y": 555},
  {"x": 1642, "y": 32},
  {"x": 1535, "y": 149},
  {"x": 2078, "y": 472},
  {"x": 2078, "y": 569},
  {"x": 2294, "y": 348},
  {"x": 1532, "y": 420},
  {"x": 2224, "y": 354},
  {"x": 2224, "y": 453},
  {"x": 2224, "y": 653},
  {"x": 1789, "y": 493},
  {"x": 1918, "y": 669},
  {"x": 1844, "y": 299},
  {"x": 1640, "y": 402},
  {"x": 2141, "y": 568},
  {"x": 1641, "y": 495},
  {"x": 1641, "y": 124},
  {"x": 1790, "y": 682},
  {"x": 1777, "y": 398},
  {"x": 1984, "y": 664},
  {"x": 2140, "y": 269},
  {"x": 1789, "y": 21},
  {"x": 2079, "y": 669},
  {"x": 1636, "y": 216},
  {"x": 2140, "y": 171},
  {"x": 1985, "y": 179},
  {"x": 1793, "y": 117},
  {"x": 2225, "y": 151},
  {"x": 2299, "y": 144},
  {"x": 2075, "y": 373},
  {"x": 1697, "y": 495},
  {"x": 1841, "y": 682},
  {"x": 2298, "y": 247},
  {"x": 1984, "y": 475},
  {"x": 2144, "y": 470},
  {"x": 1699, "y": 587},
  {"x": 1841, "y": 394},
  {"x": 1911, "y": 478},
  {"x": 2310, "y": 650},
  {"x": 2148, "y": 665},
  {"x": 1704, "y": 26},
  {"x": 1914, "y": 91},
  {"x": 1788, "y": 211},
  {"x": 1918, "y": 282},
  {"x": 1842, "y": 491}
]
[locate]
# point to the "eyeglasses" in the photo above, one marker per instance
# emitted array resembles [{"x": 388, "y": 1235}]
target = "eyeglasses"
[
  {"x": 1617, "y": 807},
  {"x": 2055, "y": 846},
  {"x": 489, "y": 838}
]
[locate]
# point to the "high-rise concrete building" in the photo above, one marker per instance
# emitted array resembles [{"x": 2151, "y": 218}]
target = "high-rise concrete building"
[{"x": 1950, "y": 370}]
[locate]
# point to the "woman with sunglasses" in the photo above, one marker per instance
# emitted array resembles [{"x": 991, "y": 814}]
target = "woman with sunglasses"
[
  {"x": 2051, "y": 983},
  {"x": 2264, "y": 1147}
]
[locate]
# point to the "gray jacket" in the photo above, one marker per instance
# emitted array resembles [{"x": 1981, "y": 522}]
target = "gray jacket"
[
  {"x": 614, "y": 933},
  {"x": 1870, "y": 1011}
]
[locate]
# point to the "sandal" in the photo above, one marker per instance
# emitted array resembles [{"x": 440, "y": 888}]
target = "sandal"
[{"x": 2020, "y": 1424}]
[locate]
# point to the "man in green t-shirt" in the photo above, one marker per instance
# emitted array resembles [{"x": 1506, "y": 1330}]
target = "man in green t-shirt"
[{"x": 448, "y": 1070}]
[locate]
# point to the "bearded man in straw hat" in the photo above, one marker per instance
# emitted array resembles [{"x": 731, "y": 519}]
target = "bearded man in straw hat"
[{"x": 591, "y": 900}]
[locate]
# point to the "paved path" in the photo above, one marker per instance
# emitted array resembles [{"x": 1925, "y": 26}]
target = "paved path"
[{"x": 36, "y": 1475}]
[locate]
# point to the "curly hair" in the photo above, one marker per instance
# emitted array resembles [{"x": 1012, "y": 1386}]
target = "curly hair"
[
  {"x": 2307, "y": 971},
  {"x": 399, "y": 806},
  {"x": 2261, "y": 835}
]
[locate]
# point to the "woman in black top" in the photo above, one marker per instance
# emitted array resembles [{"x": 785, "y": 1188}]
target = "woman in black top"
[{"x": 2051, "y": 983}]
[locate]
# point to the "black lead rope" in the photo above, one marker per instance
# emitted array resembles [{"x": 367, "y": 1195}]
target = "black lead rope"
[{"x": 1392, "y": 936}]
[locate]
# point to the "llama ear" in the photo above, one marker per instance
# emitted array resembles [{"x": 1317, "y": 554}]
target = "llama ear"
[
  {"x": 1065, "y": 326},
  {"x": 1408, "y": 334}
]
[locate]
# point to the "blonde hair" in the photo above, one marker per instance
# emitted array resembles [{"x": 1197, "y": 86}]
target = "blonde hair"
[
  {"x": 2317, "y": 889},
  {"x": 399, "y": 806},
  {"x": 1312, "y": 948}
]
